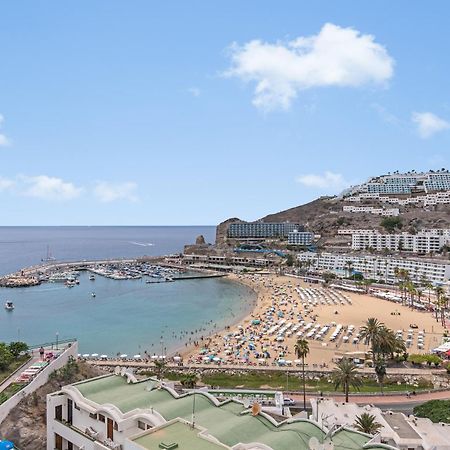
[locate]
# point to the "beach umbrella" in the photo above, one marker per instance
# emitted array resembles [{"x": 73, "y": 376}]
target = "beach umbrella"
[
  {"x": 136, "y": 356},
  {"x": 6, "y": 445},
  {"x": 154, "y": 357},
  {"x": 177, "y": 358},
  {"x": 94, "y": 355},
  {"x": 86, "y": 355},
  {"x": 104, "y": 356},
  {"x": 124, "y": 356}
]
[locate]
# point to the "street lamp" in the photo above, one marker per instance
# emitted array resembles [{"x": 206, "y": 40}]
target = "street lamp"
[{"x": 57, "y": 336}]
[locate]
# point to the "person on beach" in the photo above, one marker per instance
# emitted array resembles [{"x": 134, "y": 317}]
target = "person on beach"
[{"x": 42, "y": 353}]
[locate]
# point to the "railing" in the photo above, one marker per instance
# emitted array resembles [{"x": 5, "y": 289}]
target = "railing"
[
  {"x": 52, "y": 344},
  {"x": 77, "y": 430}
]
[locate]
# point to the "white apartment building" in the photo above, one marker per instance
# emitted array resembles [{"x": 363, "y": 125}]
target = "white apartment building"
[
  {"x": 422, "y": 242},
  {"x": 403, "y": 184},
  {"x": 371, "y": 210},
  {"x": 398, "y": 430},
  {"x": 303, "y": 238},
  {"x": 117, "y": 412},
  {"x": 225, "y": 260},
  {"x": 350, "y": 231},
  {"x": 378, "y": 267}
]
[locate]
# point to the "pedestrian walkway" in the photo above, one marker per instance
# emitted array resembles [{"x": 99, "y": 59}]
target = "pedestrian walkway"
[{"x": 384, "y": 399}]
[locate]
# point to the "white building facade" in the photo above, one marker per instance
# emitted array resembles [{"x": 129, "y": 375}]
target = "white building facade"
[
  {"x": 377, "y": 267},
  {"x": 303, "y": 238},
  {"x": 421, "y": 243}
]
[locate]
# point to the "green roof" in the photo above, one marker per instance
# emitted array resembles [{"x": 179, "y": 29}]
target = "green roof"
[
  {"x": 225, "y": 422},
  {"x": 179, "y": 433}
]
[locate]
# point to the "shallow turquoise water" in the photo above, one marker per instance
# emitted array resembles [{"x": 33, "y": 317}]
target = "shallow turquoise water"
[{"x": 127, "y": 316}]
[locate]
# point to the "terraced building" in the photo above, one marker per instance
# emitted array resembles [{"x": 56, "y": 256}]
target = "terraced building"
[{"x": 113, "y": 412}]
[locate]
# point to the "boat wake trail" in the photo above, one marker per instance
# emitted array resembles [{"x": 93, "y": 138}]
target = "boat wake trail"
[{"x": 142, "y": 244}]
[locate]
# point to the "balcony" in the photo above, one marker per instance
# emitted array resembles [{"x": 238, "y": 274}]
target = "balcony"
[{"x": 97, "y": 438}]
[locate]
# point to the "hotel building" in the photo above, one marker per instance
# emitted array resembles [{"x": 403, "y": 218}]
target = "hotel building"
[
  {"x": 422, "y": 243},
  {"x": 379, "y": 268},
  {"x": 261, "y": 230},
  {"x": 302, "y": 238}
]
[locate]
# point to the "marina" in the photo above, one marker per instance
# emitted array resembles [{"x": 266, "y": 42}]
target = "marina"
[{"x": 126, "y": 316}]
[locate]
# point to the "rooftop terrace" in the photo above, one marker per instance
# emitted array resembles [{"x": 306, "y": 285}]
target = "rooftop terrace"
[{"x": 230, "y": 423}]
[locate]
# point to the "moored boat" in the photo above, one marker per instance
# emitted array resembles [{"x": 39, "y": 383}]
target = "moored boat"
[{"x": 9, "y": 306}]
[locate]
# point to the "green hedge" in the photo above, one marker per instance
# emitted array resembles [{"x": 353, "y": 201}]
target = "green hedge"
[{"x": 435, "y": 410}]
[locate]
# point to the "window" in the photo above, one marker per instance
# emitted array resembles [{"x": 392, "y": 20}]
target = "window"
[
  {"x": 116, "y": 427},
  {"x": 141, "y": 425},
  {"x": 58, "y": 442},
  {"x": 101, "y": 417},
  {"x": 70, "y": 411},
  {"x": 58, "y": 412},
  {"x": 93, "y": 416}
]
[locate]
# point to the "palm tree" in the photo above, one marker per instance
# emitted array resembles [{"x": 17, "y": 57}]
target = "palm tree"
[
  {"x": 367, "y": 424},
  {"x": 439, "y": 290},
  {"x": 371, "y": 332},
  {"x": 301, "y": 349},
  {"x": 443, "y": 302},
  {"x": 189, "y": 381},
  {"x": 346, "y": 375},
  {"x": 160, "y": 367},
  {"x": 380, "y": 370},
  {"x": 412, "y": 292},
  {"x": 387, "y": 342}
]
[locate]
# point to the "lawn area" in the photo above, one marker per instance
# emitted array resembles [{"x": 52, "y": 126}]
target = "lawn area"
[
  {"x": 12, "y": 389},
  {"x": 435, "y": 410},
  {"x": 13, "y": 366},
  {"x": 279, "y": 380}
]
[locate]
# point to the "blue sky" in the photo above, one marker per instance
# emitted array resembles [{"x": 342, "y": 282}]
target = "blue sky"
[{"x": 172, "y": 113}]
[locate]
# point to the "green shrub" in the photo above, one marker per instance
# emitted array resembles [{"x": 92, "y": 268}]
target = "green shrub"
[{"x": 435, "y": 410}]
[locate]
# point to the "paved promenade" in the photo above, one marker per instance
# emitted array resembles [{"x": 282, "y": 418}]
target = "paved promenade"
[{"x": 425, "y": 372}]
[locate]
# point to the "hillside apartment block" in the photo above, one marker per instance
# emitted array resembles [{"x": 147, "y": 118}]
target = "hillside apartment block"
[
  {"x": 389, "y": 212},
  {"x": 261, "y": 230},
  {"x": 300, "y": 238},
  {"x": 422, "y": 243},
  {"x": 424, "y": 189}
]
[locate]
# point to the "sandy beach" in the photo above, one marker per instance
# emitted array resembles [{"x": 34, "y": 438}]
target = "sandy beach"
[{"x": 288, "y": 308}]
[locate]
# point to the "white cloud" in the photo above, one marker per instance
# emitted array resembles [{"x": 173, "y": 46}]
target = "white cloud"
[
  {"x": 49, "y": 188},
  {"x": 195, "y": 91},
  {"x": 5, "y": 184},
  {"x": 335, "y": 56},
  {"x": 428, "y": 124},
  {"x": 109, "y": 192},
  {"x": 4, "y": 141},
  {"x": 327, "y": 181}
]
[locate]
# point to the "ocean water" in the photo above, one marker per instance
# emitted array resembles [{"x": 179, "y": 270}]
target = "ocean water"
[
  {"x": 26, "y": 246},
  {"x": 126, "y": 316}
]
